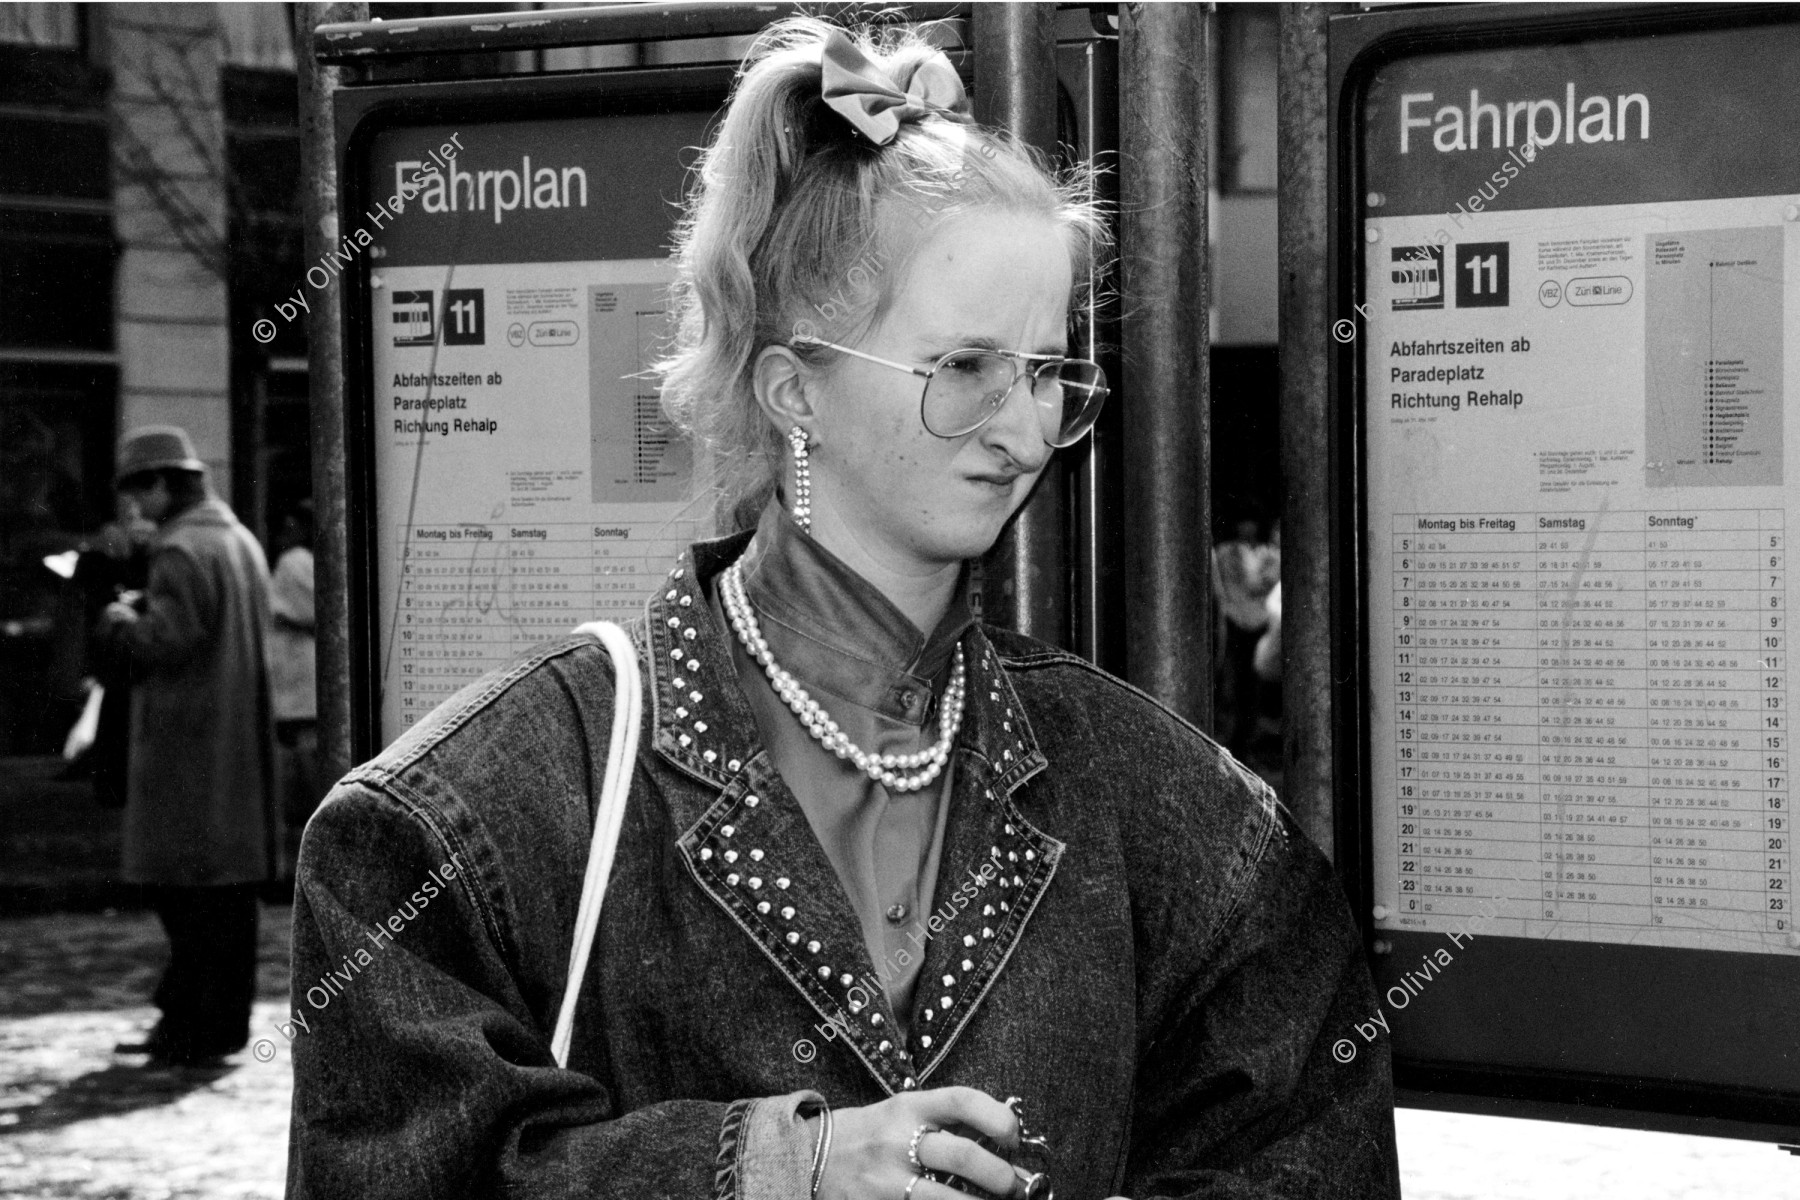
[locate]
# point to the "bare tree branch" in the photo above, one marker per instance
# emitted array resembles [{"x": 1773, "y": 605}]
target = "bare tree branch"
[{"x": 137, "y": 162}]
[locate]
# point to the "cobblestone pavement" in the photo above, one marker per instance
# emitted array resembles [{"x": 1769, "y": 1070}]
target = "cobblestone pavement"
[{"x": 78, "y": 1122}]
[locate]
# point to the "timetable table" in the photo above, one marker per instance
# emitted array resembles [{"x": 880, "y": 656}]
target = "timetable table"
[
  {"x": 1595, "y": 705},
  {"x": 473, "y": 596}
]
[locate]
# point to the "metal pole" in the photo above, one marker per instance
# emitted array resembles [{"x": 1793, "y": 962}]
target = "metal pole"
[
  {"x": 1303, "y": 237},
  {"x": 325, "y": 345},
  {"x": 1027, "y": 574},
  {"x": 1095, "y": 611},
  {"x": 1167, "y": 523}
]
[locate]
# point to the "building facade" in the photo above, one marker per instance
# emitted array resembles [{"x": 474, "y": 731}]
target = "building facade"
[{"x": 147, "y": 198}]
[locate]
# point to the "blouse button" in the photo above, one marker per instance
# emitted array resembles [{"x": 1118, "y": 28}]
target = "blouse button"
[{"x": 896, "y": 913}]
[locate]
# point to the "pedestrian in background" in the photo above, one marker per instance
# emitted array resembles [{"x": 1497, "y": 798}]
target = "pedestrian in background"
[
  {"x": 1268, "y": 648},
  {"x": 201, "y": 826},
  {"x": 293, "y": 673},
  {"x": 113, "y": 566},
  {"x": 1245, "y": 571}
]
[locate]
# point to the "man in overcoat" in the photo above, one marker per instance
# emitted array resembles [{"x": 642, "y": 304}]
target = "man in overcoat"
[{"x": 202, "y": 828}]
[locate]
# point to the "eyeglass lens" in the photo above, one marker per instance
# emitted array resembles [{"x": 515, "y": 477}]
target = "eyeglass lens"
[{"x": 969, "y": 386}]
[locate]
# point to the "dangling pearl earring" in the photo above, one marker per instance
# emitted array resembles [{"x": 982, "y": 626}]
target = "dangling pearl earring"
[{"x": 802, "y": 480}]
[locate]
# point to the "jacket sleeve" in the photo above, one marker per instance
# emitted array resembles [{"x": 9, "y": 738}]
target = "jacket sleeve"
[
  {"x": 420, "y": 1071},
  {"x": 181, "y": 613},
  {"x": 1245, "y": 1086}
]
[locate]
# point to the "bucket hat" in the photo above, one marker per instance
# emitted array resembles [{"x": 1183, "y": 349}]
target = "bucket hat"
[{"x": 155, "y": 448}]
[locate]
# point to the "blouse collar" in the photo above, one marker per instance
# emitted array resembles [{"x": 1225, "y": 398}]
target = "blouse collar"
[{"x": 836, "y": 632}]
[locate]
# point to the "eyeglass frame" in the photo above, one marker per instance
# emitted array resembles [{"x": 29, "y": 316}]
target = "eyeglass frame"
[{"x": 1018, "y": 357}]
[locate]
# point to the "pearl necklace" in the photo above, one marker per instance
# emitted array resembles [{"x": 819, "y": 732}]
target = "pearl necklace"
[{"x": 880, "y": 767}]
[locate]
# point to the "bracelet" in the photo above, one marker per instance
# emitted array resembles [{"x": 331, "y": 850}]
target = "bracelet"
[{"x": 821, "y": 1150}]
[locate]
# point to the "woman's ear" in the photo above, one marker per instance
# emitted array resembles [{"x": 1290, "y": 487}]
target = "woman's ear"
[{"x": 780, "y": 380}]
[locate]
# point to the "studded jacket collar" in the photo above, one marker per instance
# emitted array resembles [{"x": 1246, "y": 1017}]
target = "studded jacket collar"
[
  {"x": 1130, "y": 935},
  {"x": 745, "y": 852}
]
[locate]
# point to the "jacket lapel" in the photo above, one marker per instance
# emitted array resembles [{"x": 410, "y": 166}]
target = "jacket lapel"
[
  {"x": 752, "y": 851},
  {"x": 995, "y": 866},
  {"x": 755, "y": 854}
]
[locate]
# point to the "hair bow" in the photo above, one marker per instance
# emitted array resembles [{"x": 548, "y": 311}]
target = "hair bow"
[{"x": 873, "y": 101}]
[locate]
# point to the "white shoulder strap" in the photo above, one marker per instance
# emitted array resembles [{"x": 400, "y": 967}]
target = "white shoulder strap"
[{"x": 609, "y": 817}]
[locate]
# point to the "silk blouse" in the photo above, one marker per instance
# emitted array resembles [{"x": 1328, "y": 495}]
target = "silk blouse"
[{"x": 880, "y": 679}]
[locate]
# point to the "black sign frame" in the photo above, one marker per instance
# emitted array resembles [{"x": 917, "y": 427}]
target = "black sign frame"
[
  {"x": 1359, "y": 46},
  {"x": 363, "y": 113}
]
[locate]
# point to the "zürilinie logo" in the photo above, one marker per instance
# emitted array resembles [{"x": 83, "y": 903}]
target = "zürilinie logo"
[
  {"x": 1417, "y": 276},
  {"x": 448, "y": 189}
]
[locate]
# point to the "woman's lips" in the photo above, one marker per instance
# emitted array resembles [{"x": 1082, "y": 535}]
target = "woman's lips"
[{"x": 997, "y": 479}]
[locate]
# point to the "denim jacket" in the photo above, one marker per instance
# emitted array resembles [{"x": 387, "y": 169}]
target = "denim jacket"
[{"x": 1130, "y": 934}]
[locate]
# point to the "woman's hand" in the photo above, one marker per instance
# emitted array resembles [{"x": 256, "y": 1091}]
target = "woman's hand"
[{"x": 868, "y": 1159}]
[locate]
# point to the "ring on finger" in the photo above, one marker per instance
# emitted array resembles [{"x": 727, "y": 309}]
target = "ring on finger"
[
  {"x": 912, "y": 1148},
  {"x": 910, "y": 1184}
]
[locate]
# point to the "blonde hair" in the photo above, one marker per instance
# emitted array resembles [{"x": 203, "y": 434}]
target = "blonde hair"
[{"x": 799, "y": 225}]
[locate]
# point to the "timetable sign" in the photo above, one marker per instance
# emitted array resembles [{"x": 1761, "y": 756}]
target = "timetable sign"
[{"x": 1579, "y": 593}]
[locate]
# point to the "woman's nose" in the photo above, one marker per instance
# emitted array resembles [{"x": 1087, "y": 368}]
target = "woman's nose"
[{"x": 1018, "y": 427}]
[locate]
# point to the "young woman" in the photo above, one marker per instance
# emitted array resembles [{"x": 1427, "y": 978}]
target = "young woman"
[{"x": 883, "y": 869}]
